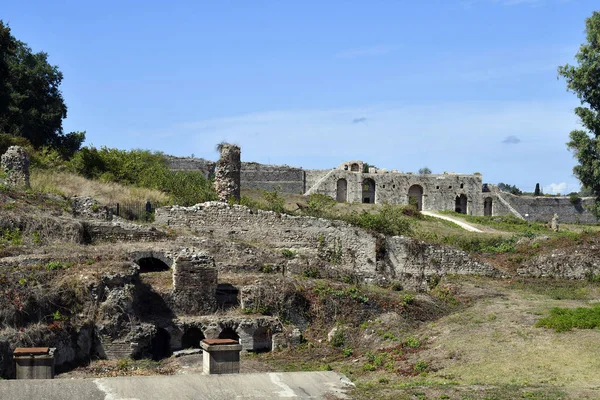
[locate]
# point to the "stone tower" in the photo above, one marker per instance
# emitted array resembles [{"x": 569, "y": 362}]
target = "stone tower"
[
  {"x": 227, "y": 174},
  {"x": 15, "y": 163}
]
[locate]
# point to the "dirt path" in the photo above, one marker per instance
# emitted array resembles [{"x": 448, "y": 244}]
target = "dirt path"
[{"x": 458, "y": 222}]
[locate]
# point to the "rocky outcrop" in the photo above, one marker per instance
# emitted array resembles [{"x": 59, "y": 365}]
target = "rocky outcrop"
[{"x": 15, "y": 164}]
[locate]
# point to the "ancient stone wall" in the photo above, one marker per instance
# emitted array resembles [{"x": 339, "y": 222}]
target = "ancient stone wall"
[
  {"x": 206, "y": 167},
  {"x": 348, "y": 247},
  {"x": 15, "y": 164},
  {"x": 430, "y": 192},
  {"x": 542, "y": 208},
  {"x": 418, "y": 264},
  {"x": 194, "y": 283},
  {"x": 269, "y": 177},
  {"x": 113, "y": 231}
]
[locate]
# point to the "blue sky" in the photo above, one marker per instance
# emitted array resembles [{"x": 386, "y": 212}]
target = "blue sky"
[{"x": 456, "y": 85}]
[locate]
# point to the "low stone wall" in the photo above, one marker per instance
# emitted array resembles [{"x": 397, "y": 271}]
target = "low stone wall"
[
  {"x": 542, "y": 208},
  {"x": 417, "y": 264},
  {"x": 347, "y": 247},
  {"x": 120, "y": 231},
  {"x": 582, "y": 263}
]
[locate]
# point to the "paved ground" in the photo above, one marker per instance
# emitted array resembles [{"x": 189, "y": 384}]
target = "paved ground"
[
  {"x": 296, "y": 385},
  {"x": 458, "y": 222}
]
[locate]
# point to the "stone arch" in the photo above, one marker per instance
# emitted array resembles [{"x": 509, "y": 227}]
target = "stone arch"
[
  {"x": 229, "y": 333},
  {"x": 460, "y": 204},
  {"x": 355, "y": 167},
  {"x": 191, "y": 338},
  {"x": 151, "y": 264},
  {"x": 488, "y": 207},
  {"x": 161, "y": 344},
  {"x": 368, "y": 191},
  {"x": 227, "y": 296},
  {"x": 261, "y": 339},
  {"x": 151, "y": 261},
  {"x": 341, "y": 190},
  {"x": 415, "y": 196}
]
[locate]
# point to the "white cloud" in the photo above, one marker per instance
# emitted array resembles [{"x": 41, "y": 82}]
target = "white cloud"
[{"x": 556, "y": 188}]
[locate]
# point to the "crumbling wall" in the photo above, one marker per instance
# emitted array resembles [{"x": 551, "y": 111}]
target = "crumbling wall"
[
  {"x": 335, "y": 242},
  {"x": 15, "y": 164},
  {"x": 194, "y": 283},
  {"x": 114, "y": 231},
  {"x": 272, "y": 177},
  {"x": 418, "y": 264},
  {"x": 227, "y": 174},
  {"x": 542, "y": 208}
]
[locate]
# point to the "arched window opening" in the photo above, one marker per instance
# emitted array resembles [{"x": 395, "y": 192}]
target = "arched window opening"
[{"x": 354, "y": 167}]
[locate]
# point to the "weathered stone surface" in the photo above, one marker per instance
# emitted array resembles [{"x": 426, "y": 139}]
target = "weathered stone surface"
[
  {"x": 15, "y": 163},
  {"x": 113, "y": 231},
  {"x": 582, "y": 262},
  {"x": 88, "y": 207},
  {"x": 194, "y": 283},
  {"x": 227, "y": 174},
  {"x": 554, "y": 223}
]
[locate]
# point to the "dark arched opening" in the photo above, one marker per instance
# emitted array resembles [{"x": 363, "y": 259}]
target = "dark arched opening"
[
  {"x": 229, "y": 333},
  {"x": 355, "y": 167},
  {"x": 161, "y": 344},
  {"x": 487, "y": 207},
  {"x": 191, "y": 338},
  {"x": 460, "y": 204},
  {"x": 151, "y": 264},
  {"x": 261, "y": 340},
  {"x": 342, "y": 191},
  {"x": 227, "y": 295},
  {"x": 415, "y": 196},
  {"x": 368, "y": 191}
]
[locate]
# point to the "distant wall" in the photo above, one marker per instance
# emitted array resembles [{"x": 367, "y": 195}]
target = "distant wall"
[
  {"x": 268, "y": 177},
  {"x": 253, "y": 175},
  {"x": 542, "y": 208}
]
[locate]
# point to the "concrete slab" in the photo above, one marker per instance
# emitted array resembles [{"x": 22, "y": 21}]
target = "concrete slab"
[{"x": 275, "y": 385}]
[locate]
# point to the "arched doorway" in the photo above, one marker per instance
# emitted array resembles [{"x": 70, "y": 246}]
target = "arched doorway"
[
  {"x": 355, "y": 167},
  {"x": 460, "y": 204},
  {"x": 161, "y": 344},
  {"x": 341, "y": 191},
  {"x": 191, "y": 338},
  {"x": 151, "y": 264},
  {"x": 229, "y": 333},
  {"x": 261, "y": 339},
  {"x": 487, "y": 207},
  {"x": 415, "y": 196},
  {"x": 368, "y": 191}
]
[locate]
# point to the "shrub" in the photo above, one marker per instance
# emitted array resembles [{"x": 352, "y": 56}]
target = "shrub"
[
  {"x": 273, "y": 201},
  {"x": 287, "y": 253},
  {"x": 412, "y": 342},
  {"x": 389, "y": 220},
  {"x": 347, "y": 352},
  {"x": 339, "y": 338},
  {"x": 421, "y": 366},
  {"x": 319, "y": 205},
  {"x": 565, "y": 319}
]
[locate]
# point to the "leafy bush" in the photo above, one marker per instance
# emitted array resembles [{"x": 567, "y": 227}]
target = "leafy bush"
[
  {"x": 273, "y": 201},
  {"x": 389, "y": 220},
  {"x": 421, "y": 366},
  {"x": 319, "y": 205},
  {"x": 338, "y": 339},
  {"x": 565, "y": 319},
  {"x": 287, "y": 253}
]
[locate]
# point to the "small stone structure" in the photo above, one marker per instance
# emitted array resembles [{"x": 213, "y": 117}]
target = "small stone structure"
[
  {"x": 194, "y": 283},
  {"x": 227, "y": 174},
  {"x": 221, "y": 356},
  {"x": 88, "y": 207},
  {"x": 15, "y": 163},
  {"x": 554, "y": 223},
  {"x": 34, "y": 362}
]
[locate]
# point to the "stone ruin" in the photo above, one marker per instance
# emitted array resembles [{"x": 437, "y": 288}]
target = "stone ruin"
[
  {"x": 227, "y": 173},
  {"x": 15, "y": 163},
  {"x": 194, "y": 283}
]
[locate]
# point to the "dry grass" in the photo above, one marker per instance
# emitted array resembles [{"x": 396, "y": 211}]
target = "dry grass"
[{"x": 69, "y": 184}]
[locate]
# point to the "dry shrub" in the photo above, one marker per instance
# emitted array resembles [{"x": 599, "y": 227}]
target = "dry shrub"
[{"x": 69, "y": 184}]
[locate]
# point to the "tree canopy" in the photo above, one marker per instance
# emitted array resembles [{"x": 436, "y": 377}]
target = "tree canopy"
[
  {"x": 583, "y": 79},
  {"x": 31, "y": 103}
]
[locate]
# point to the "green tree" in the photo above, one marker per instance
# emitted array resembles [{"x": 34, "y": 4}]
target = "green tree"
[
  {"x": 584, "y": 80},
  {"x": 505, "y": 187},
  {"x": 537, "y": 191},
  {"x": 31, "y": 103},
  {"x": 425, "y": 171}
]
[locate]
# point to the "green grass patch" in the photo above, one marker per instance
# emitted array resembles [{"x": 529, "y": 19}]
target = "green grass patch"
[{"x": 565, "y": 319}]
